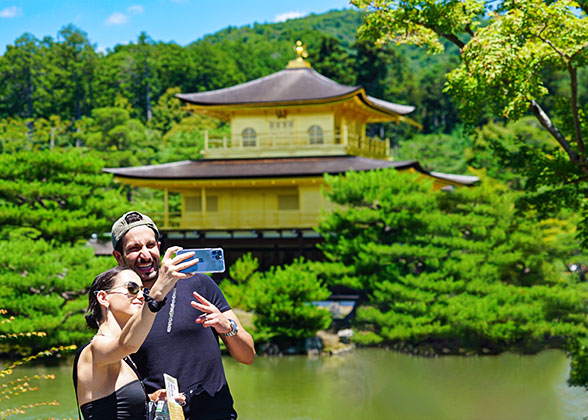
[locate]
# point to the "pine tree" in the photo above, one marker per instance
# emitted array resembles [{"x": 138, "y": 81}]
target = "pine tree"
[{"x": 446, "y": 270}]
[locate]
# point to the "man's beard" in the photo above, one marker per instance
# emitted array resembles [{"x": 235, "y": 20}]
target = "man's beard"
[{"x": 145, "y": 277}]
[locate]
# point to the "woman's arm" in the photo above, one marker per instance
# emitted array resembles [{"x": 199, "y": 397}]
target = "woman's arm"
[{"x": 112, "y": 348}]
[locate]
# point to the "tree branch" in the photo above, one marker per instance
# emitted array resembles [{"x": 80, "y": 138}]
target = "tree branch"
[
  {"x": 553, "y": 47},
  {"x": 576, "y": 181},
  {"x": 469, "y": 31},
  {"x": 548, "y": 125},
  {"x": 450, "y": 37},
  {"x": 575, "y": 113}
]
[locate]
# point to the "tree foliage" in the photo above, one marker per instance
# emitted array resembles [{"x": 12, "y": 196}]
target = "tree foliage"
[
  {"x": 509, "y": 50},
  {"x": 42, "y": 284},
  {"x": 66, "y": 77},
  {"x": 452, "y": 271},
  {"x": 51, "y": 203},
  {"x": 284, "y": 294},
  {"x": 56, "y": 195},
  {"x": 242, "y": 275}
]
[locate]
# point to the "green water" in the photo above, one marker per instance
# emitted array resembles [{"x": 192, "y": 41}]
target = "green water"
[{"x": 376, "y": 385}]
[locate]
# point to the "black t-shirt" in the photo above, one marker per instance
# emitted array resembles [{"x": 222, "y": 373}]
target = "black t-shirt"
[{"x": 189, "y": 352}]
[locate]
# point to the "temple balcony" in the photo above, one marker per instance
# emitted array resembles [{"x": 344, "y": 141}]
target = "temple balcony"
[
  {"x": 296, "y": 144},
  {"x": 241, "y": 219}
]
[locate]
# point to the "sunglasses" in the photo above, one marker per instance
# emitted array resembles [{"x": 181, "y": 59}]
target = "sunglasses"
[{"x": 132, "y": 288}]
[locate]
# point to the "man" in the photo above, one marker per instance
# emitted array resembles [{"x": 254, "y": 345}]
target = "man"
[{"x": 183, "y": 341}]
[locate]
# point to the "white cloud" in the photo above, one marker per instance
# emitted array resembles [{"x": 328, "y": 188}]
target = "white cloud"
[
  {"x": 288, "y": 15},
  {"x": 136, "y": 9},
  {"x": 116, "y": 18},
  {"x": 101, "y": 49},
  {"x": 10, "y": 12}
]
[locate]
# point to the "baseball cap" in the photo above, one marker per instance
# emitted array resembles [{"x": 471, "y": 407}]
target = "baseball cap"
[{"x": 128, "y": 221}]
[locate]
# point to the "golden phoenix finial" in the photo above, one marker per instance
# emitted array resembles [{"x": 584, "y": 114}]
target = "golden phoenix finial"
[
  {"x": 301, "y": 54},
  {"x": 300, "y": 50}
]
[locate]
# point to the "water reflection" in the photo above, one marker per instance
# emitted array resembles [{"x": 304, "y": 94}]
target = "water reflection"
[{"x": 377, "y": 384}]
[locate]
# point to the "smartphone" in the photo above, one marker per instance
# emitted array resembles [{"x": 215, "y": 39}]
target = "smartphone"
[{"x": 210, "y": 260}]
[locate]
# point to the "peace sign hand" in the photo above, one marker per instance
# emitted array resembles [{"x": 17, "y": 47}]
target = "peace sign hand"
[{"x": 211, "y": 316}]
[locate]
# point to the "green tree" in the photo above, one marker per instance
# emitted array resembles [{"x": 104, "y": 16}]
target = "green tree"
[
  {"x": 447, "y": 271},
  {"x": 333, "y": 61},
  {"x": 58, "y": 195},
  {"x": 242, "y": 274},
  {"x": 284, "y": 294},
  {"x": 507, "y": 48},
  {"x": 207, "y": 60},
  {"x": 43, "y": 285},
  {"x": 121, "y": 140},
  {"x": 20, "y": 74},
  {"x": 14, "y": 135},
  {"x": 168, "y": 111},
  {"x": 185, "y": 140},
  {"x": 51, "y": 203},
  {"x": 49, "y": 132},
  {"x": 449, "y": 153},
  {"x": 71, "y": 66}
]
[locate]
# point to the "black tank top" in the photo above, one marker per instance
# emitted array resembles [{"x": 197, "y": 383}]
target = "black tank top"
[
  {"x": 129, "y": 402},
  {"x": 126, "y": 403}
]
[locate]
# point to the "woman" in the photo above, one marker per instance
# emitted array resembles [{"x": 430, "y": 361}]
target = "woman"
[{"x": 107, "y": 384}]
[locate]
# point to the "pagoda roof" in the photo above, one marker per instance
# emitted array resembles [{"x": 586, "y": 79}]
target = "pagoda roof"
[
  {"x": 272, "y": 168},
  {"x": 290, "y": 86}
]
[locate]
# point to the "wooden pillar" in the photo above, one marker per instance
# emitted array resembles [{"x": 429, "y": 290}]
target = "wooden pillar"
[
  {"x": 363, "y": 128},
  {"x": 166, "y": 207},
  {"x": 205, "y": 139},
  {"x": 203, "y": 203}
]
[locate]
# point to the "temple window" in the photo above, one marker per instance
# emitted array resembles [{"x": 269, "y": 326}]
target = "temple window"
[
  {"x": 315, "y": 135},
  {"x": 249, "y": 137},
  {"x": 193, "y": 204},
  {"x": 288, "y": 202},
  {"x": 211, "y": 203}
]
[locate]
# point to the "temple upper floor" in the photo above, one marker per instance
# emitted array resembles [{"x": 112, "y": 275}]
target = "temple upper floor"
[
  {"x": 282, "y": 132},
  {"x": 295, "y": 112}
]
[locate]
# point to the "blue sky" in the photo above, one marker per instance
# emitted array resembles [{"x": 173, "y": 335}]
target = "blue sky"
[{"x": 109, "y": 22}]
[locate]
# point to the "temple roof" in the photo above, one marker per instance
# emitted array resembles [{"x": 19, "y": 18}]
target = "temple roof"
[
  {"x": 275, "y": 167},
  {"x": 288, "y": 87}
]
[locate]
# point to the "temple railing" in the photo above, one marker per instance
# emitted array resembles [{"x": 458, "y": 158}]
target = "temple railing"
[
  {"x": 237, "y": 219},
  {"x": 296, "y": 144}
]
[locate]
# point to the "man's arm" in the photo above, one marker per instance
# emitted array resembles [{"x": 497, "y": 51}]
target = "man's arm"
[{"x": 241, "y": 344}]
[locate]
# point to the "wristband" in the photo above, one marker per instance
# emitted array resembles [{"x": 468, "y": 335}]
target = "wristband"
[{"x": 154, "y": 305}]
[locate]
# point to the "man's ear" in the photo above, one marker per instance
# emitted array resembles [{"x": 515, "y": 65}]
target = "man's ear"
[
  {"x": 118, "y": 257},
  {"x": 159, "y": 246}
]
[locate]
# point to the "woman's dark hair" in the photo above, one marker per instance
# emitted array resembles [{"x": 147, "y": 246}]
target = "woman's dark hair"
[{"x": 103, "y": 281}]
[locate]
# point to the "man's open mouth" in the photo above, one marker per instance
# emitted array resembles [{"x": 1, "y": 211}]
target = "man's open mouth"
[{"x": 145, "y": 267}]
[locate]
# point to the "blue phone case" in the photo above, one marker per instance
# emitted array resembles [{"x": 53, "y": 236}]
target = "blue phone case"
[{"x": 210, "y": 260}]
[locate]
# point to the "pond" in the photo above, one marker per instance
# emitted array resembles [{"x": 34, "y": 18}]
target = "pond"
[{"x": 373, "y": 384}]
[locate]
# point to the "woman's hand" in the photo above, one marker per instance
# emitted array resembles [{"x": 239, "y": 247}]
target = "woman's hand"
[{"x": 161, "y": 395}]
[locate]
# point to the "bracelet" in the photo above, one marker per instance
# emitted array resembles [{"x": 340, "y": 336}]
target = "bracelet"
[{"x": 154, "y": 305}]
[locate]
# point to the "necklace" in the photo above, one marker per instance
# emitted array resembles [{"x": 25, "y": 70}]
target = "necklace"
[{"x": 172, "y": 307}]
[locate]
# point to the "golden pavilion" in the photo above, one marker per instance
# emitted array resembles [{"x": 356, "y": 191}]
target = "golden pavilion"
[{"x": 259, "y": 190}]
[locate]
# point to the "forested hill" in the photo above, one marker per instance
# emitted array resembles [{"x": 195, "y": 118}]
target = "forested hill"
[
  {"x": 338, "y": 24},
  {"x": 67, "y": 78}
]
